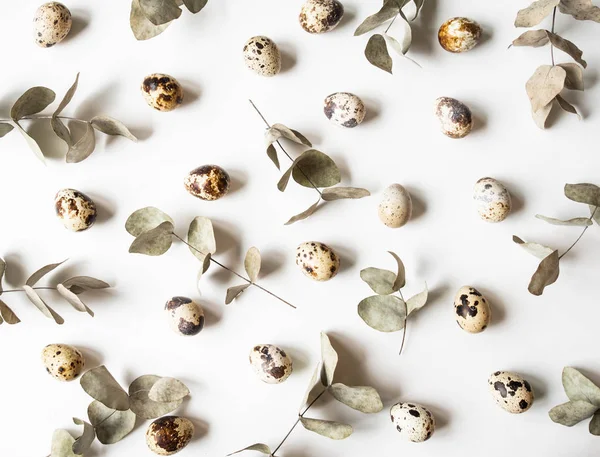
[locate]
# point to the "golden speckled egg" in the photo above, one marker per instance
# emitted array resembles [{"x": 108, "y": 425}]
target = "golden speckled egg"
[
  {"x": 51, "y": 24},
  {"x": 395, "y": 208},
  {"x": 62, "y": 361},
  {"x": 262, "y": 56},
  {"x": 162, "y": 92},
  {"x": 511, "y": 392},
  {"x": 345, "y": 109},
  {"x": 76, "y": 210},
  {"x": 319, "y": 16},
  {"x": 317, "y": 260},
  {"x": 455, "y": 117},
  {"x": 270, "y": 363},
  {"x": 185, "y": 315},
  {"x": 169, "y": 434},
  {"x": 472, "y": 310},
  {"x": 459, "y": 34},
  {"x": 208, "y": 182},
  {"x": 492, "y": 199},
  {"x": 414, "y": 422}
]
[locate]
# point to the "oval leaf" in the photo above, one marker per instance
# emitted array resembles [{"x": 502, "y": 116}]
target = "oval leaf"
[
  {"x": 62, "y": 444},
  {"x": 79, "y": 284},
  {"x": 194, "y": 6},
  {"x": 536, "y": 249},
  {"x": 567, "y": 47},
  {"x": 388, "y": 11},
  {"x": 145, "y": 219},
  {"x": 314, "y": 388},
  {"x": 582, "y": 10},
  {"x": 84, "y": 442},
  {"x": 338, "y": 193},
  {"x": 386, "y": 313},
  {"x": 160, "y": 12},
  {"x": 535, "y": 13},
  {"x": 167, "y": 390},
  {"x": 110, "y": 126},
  {"x": 277, "y": 131},
  {"x": 111, "y": 425},
  {"x": 362, "y": 398},
  {"x": 380, "y": 281},
  {"x": 316, "y": 169},
  {"x": 61, "y": 131},
  {"x": 572, "y": 412},
  {"x": 416, "y": 302},
  {"x": 377, "y": 54},
  {"x": 141, "y": 26},
  {"x": 141, "y": 404},
  {"x": 258, "y": 447},
  {"x": 31, "y": 102},
  {"x": 252, "y": 263},
  {"x": 578, "y": 387},
  {"x": 574, "y": 79},
  {"x": 533, "y": 38},
  {"x": 545, "y": 84},
  {"x": 154, "y": 242},
  {"x": 100, "y": 385},
  {"x": 34, "y": 298},
  {"x": 546, "y": 274},
  {"x": 329, "y": 429},
  {"x": 329, "y": 358},
  {"x": 73, "y": 299},
  {"x": 84, "y": 146},
  {"x": 201, "y": 236},
  {"x": 575, "y": 222},
  {"x": 583, "y": 193},
  {"x": 234, "y": 292}
]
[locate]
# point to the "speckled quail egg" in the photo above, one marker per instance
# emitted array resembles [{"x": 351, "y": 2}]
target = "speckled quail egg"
[
  {"x": 62, "y": 361},
  {"x": 270, "y": 363},
  {"x": 51, "y": 24},
  {"x": 208, "y": 182},
  {"x": 345, "y": 109},
  {"x": 455, "y": 117},
  {"x": 319, "y": 16},
  {"x": 76, "y": 210},
  {"x": 162, "y": 92},
  {"x": 472, "y": 310},
  {"x": 168, "y": 435},
  {"x": 414, "y": 422},
  {"x": 511, "y": 392},
  {"x": 262, "y": 56},
  {"x": 395, "y": 208},
  {"x": 317, "y": 260},
  {"x": 185, "y": 315},
  {"x": 459, "y": 34},
  {"x": 492, "y": 199}
]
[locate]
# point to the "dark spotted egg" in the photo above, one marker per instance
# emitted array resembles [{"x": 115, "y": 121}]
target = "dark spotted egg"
[
  {"x": 270, "y": 363},
  {"x": 63, "y": 362},
  {"x": 262, "y": 56},
  {"x": 208, "y": 182},
  {"x": 455, "y": 117},
  {"x": 75, "y": 210},
  {"x": 471, "y": 309},
  {"x": 51, "y": 24},
  {"x": 459, "y": 34},
  {"x": 185, "y": 315},
  {"x": 169, "y": 434},
  {"x": 414, "y": 422},
  {"x": 510, "y": 391},
  {"x": 319, "y": 16},
  {"x": 317, "y": 260},
  {"x": 345, "y": 109},
  {"x": 162, "y": 92},
  {"x": 492, "y": 199}
]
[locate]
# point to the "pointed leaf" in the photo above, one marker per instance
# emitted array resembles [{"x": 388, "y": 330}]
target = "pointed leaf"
[
  {"x": 362, "y": 398},
  {"x": 329, "y": 358},
  {"x": 541, "y": 116},
  {"x": 535, "y": 13},
  {"x": 39, "y": 274},
  {"x": 82, "y": 149},
  {"x": 141, "y": 404},
  {"x": 380, "y": 281},
  {"x": 285, "y": 178},
  {"x": 574, "y": 79},
  {"x": 377, "y": 54},
  {"x": 566, "y": 106},
  {"x": 42, "y": 306},
  {"x": 400, "y": 280},
  {"x": 145, "y": 219},
  {"x": 314, "y": 388},
  {"x": 595, "y": 213},
  {"x": 252, "y": 263},
  {"x": 304, "y": 214},
  {"x": 7, "y": 314},
  {"x": 79, "y": 284},
  {"x": 578, "y": 387},
  {"x": 168, "y": 390},
  {"x": 338, "y": 193},
  {"x": 61, "y": 131},
  {"x": 160, "y": 12},
  {"x": 111, "y": 425},
  {"x": 67, "y": 98},
  {"x": 575, "y": 222},
  {"x": 154, "y": 242},
  {"x": 110, "y": 126},
  {"x": 141, "y": 26},
  {"x": 595, "y": 422},
  {"x": 74, "y": 300},
  {"x": 2, "y": 271},
  {"x": 5, "y": 128},
  {"x": 567, "y": 47},
  {"x": 272, "y": 154},
  {"x": 258, "y": 447},
  {"x": 546, "y": 274},
  {"x": 416, "y": 302},
  {"x": 572, "y": 412},
  {"x": 545, "y": 84},
  {"x": 290, "y": 134},
  {"x": 84, "y": 442},
  {"x": 100, "y": 385},
  {"x": 201, "y": 235},
  {"x": 388, "y": 11},
  {"x": 329, "y": 429},
  {"x": 194, "y": 6},
  {"x": 62, "y": 444},
  {"x": 386, "y": 313},
  {"x": 31, "y": 102},
  {"x": 533, "y": 38},
  {"x": 583, "y": 193},
  {"x": 582, "y": 10},
  {"x": 234, "y": 292},
  {"x": 33, "y": 145},
  {"x": 536, "y": 249}
]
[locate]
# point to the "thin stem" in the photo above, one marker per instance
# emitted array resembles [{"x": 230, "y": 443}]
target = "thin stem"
[
  {"x": 582, "y": 233},
  {"x": 404, "y": 328},
  {"x": 391, "y": 23},
  {"x": 35, "y": 288},
  {"x": 212, "y": 259},
  {"x": 551, "y": 46},
  {"x": 31, "y": 118}
]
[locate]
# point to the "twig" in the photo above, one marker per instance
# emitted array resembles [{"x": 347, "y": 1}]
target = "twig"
[
  {"x": 33, "y": 118},
  {"x": 551, "y": 45},
  {"x": 582, "y": 233},
  {"x": 405, "y": 321},
  {"x": 391, "y": 23},
  {"x": 22, "y": 290}
]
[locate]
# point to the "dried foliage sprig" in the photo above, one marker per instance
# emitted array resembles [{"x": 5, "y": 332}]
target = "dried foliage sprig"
[
  {"x": 376, "y": 51},
  {"x": 37, "y": 99},
  {"x": 548, "y": 81},
  {"x": 311, "y": 168},
  {"x": 70, "y": 289},
  {"x": 154, "y": 231},
  {"x": 149, "y": 18},
  {"x": 361, "y": 398},
  {"x": 385, "y": 311}
]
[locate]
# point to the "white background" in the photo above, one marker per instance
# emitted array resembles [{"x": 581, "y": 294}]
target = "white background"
[{"x": 446, "y": 244}]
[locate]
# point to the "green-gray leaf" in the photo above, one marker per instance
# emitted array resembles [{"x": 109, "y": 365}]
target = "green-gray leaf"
[
  {"x": 31, "y": 102},
  {"x": 285, "y": 178},
  {"x": 536, "y": 249},
  {"x": 252, "y": 263},
  {"x": 386, "y": 313},
  {"x": 314, "y": 388},
  {"x": 82, "y": 149},
  {"x": 574, "y": 79},
  {"x": 67, "y": 98},
  {"x": 79, "y": 284},
  {"x": 34, "y": 298},
  {"x": 572, "y": 412},
  {"x": 280, "y": 130},
  {"x": 111, "y": 126},
  {"x": 304, "y": 214},
  {"x": 546, "y": 274},
  {"x": 328, "y": 429},
  {"x": 258, "y": 447},
  {"x": 377, "y": 54},
  {"x": 141, "y": 404},
  {"x": 5, "y": 128},
  {"x": 7, "y": 314},
  {"x": 73, "y": 299},
  {"x": 168, "y": 390},
  {"x": 595, "y": 213},
  {"x": 39, "y": 274},
  {"x": 154, "y": 242},
  {"x": 583, "y": 193},
  {"x": 338, "y": 193},
  {"x": 578, "y": 387},
  {"x": 85, "y": 440},
  {"x": 61, "y": 131},
  {"x": 316, "y": 169},
  {"x": 145, "y": 219},
  {"x": 416, "y": 302},
  {"x": 62, "y": 444},
  {"x": 362, "y": 398},
  {"x": 575, "y": 222},
  {"x": 160, "y": 12},
  {"x": 329, "y": 358},
  {"x": 201, "y": 236},
  {"x": 595, "y": 422},
  {"x": 272, "y": 154},
  {"x": 582, "y": 10},
  {"x": 33, "y": 145},
  {"x": 380, "y": 281},
  {"x": 388, "y": 11},
  {"x": 141, "y": 27},
  {"x": 234, "y": 292},
  {"x": 100, "y": 385},
  {"x": 400, "y": 280},
  {"x": 195, "y": 6},
  {"x": 111, "y": 425},
  {"x": 535, "y": 13}
]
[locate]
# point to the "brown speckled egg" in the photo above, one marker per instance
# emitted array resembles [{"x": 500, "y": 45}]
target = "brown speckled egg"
[
  {"x": 271, "y": 364},
  {"x": 459, "y": 34},
  {"x": 345, "y": 109},
  {"x": 162, "y": 92},
  {"x": 510, "y": 391},
  {"x": 76, "y": 210},
  {"x": 455, "y": 117},
  {"x": 317, "y": 260},
  {"x": 472, "y": 310},
  {"x": 414, "y": 422},
  {"x": 319, "y": 16},
  {"x": 185, "y": 315},
  {"x": 492, "y": 199},
  {"x": 395, "y": 208},
  {"x": 62, "y": 361},
  {"x": 262, "y": 56},
  {"x": 51, "y": 24},
  {"x": 169, "y": 434},
  {"x": 208, "y": 182}
]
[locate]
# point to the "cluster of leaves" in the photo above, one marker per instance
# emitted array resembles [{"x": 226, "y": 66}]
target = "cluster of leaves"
[
  {"x": 548, "y": 269},
  {"x": 37, "y": 99},
  {"x": 376, "y": 51},
  {"x": 69, "y": 289},
  {"x": 112, "y": 414},
  {"x": 584, "y": 401},
  {"x": 548, "y": 81},
  {"x": 149, "y": 18},
  {"x": 385, "y": 311},
  {"x": 361, "y": 398}
]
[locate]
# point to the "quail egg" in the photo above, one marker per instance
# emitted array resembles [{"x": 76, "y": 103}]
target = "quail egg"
[
  {"x": 76, "y": 210},
  {"x": 492, "y": 199},
  {"x": 51, "y": 24},
  {"x": 455, "y": 117},
  {"x": 345, "y": 109},
  {"x": 62, "y": 361},
  {"x": 162, "y": 92},
  {"x": 271, "y": 364},
  {"x": 168, "y": 435},
  {"x": 414, "y": 422},
  {"x": 472, "y": 310},
  {"x": 319, "y": 16},
  {"x": 262, "y": 56},
  {"x": 317, "y": 260},
  {"x": 511, "y": 392},
  {"x": 459, "y": 34},
  {"x": 185, "y": 315},
  {"x": 395, "y": 208},
  {"x": 208, "y": 182}
]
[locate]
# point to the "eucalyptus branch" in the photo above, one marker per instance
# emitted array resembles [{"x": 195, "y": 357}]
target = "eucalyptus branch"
[
  {"x": 33, "y": 118},
  {"x": 23, "y": 290},
  {"x": 590, "y": 219},
  {"x": 552, "y": 30},
  {"x": 391, "y": 23},
  {"x": 405, "y": 323}
]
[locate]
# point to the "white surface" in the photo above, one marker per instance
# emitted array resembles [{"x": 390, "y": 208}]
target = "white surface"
[{"x": 447, "y": 245}]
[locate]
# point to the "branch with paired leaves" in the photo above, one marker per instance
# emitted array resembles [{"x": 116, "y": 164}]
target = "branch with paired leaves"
[
  {"x": 149, "y": 18},
  {"x": 69, "y": 289},
  {"x": 361, "y": 398},
  {"x": 548, "y": 269},
  {"x": 376, "y": 51},
  {"x": 311, "y": 168},
  {"x": 548, "y": 81},
  {"x": 154, "y": 231},
  {"x": 385, "y": 311}
]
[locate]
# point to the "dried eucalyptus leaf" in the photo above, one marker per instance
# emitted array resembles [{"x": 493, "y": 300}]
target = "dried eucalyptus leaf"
[
  {"x": 380, "y": 281},
  {"x": 567, "y": 47},
  {"x": 377, "y": 54},
  {"x": 61, "y": 131},
  {"x": 145, "y": 219},
  {"x": 535, "y": 13},
  {"x": 31, "y": 102},
  {"x": 314, "y": 388},
  {"x": 579, "y": 388},
  {"x": 533, "y": 38},
  {"x": 272, "y": 135},
  {"x": 566, "y": 106},
  {"x": 400, "y": 280},
  {"x": 576, "y": 221},
  {"x": 7, "y": 314},
  {"x": 291, "y": 134},
  {"x": 141, "y": 26},
  {"x": 595, "y": 213},
  {"x": 78, "y": 284},
  {"x": 546, "y": 274},
  {"x": 88, "y": 435},
  {"x": 304, "y": 214},
  {"x": 541, "y": 116},
  {"x": 329, "y": 429},
  {"x": 595, "y": 422},
  {"x": 386, "y": 313},
  {"x": 234, "y": 292},
  {"x": 572, "y": 412},
  {"x": 67, "y": 98},
  {"x": 574, "y": 79},
  {"x": 100, "y": 385},
  {"x": 258, "y": 447},
  {"x": 316, "y": 169},
  {"x": 201, "y": 236},
  {"x": 74, "y": 300},
  {"x": 62, "y": 444},
  {"x": 142, "y": 405},
  {"x": 401, "y": 48},
  {"x": 111, "y": 126},
  {"x": 154, "y": 242},
  {"x": 388, "y": 11},
  {"x": 39, "y": 274},
  {"x": 252, "y": 263},
  {"x": 338, "y": 193},
  {"x": 42, "y": 306},
  {"x": 111, "y": 425},
  {"x": 82, "y": 149},
  {"x": 582, "y": 10},
  {"x": 2, "y": 271},
  {"x": 545, "y": 84},
  {"x": 416, "y": 302},
  {"x": 362, "y": 398},
  {"x": 329, "y": 359},
  {"x": 285, "y": 178},
  {"x": 194, "y": 6},
  {"x": 272, "y": 154},
  {"x": 5, "y": 128},
  {"x": 168, "y": 390},
  {"x": 536, "y": 249},
  {"x": 583, "y": 193},
  {"x": 160, "y": 12},
  {"x": 33, "y": 145}
]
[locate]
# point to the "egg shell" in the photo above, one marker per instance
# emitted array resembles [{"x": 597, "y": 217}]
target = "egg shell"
[
  {"x": 345, "y": 109},
  {"x": 317, "y": 260},
  {"x": 492, "y": 199},
  {"x": 168, "y": 435},
  {"x": 459, "y": 34},
  {"x": 270, "y": 363},
  {"x": 472, "y": 310},
  {"x": 51, "y": 24},
  {"x": 262, "y": 56},
  {"x": 510, "y": 391},
  {"x": 414, "y": 422},
  {"x": 320, "y": 16},
  {"x": 395, "y": 208},
  {"x": 162, "y": 92},
  {"x": 185, "y": 315},
  {"x": 208, "y": 182},
  {"x": 455, "y": 117},
  {"x": 62, "y": 361},
  {"x": 75, "y": 210}
]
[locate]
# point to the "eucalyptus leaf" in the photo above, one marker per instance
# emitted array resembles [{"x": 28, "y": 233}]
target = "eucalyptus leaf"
[
  {"x": 31, "y": 102},
  {"x": 329, "y": 359},
  {"x": 82, "y": 149},
  {"x": 2, "y": 271},
  {"x": 201, "y": 236},
  {"x": 141, "y": 26},
  {"x": 194, "y": 6},
  {"x": 61, "y": 131},
  {"x": 145, "y": 219},
  {"x": 39, "y": 274},
  {"x": 541, "y": 116},
  {"x": 533, "y": 38},
  {"x": 32, "y": 143},
  {"x": 380, "y": 281},
  {"x": 79, "y": 284},
  {"x": 583, "y": 193},
  {"x": 7, "y": 314},
  {"x": 386, "y": 313},
  {"x": 579, "y": 388},
  {"x": 160, "y": 12},
  {"x": 595, "y": 213},
  {"x": 304, "y": 214},
  {"x": 85, "y": 440},
  {"x": 110, "y": 126},
  {"x": 142, "y": 405},
  {"x": 272, "y": 154},
  {"x": 574, "y": 79},
  {"x": 595, "y": 422},
  {"x": 582, "y": 10},
  {"x": 62, "y": 444},
  {"x": 5, "y": 128},
  {"x": 575, "y": 222},
  {"x": 258, "y": 447},
  {"x": 546, "y": 274},
  {"x": 313, "y": 391},
  {"x": 100, "y": 385},
  {"x": 290, "y": 134},
  {"x": 329, "y": 429},
  {"x": 73, "y": 299},
  {"x": 400, "y": 280},
  {"x": 566, "y": 106},
  {"x": 338, "y": 193},
  {"x": 111, "y": 425},
  {"x": 285, "y": 178},
  {"x": 377, "y": 54},
  {"x": 416, "y": 302},
  {"x": 572, "y": 412},
  {"x": 316, "y": 169},
  {"x": 34, "y": 298},
  {"x": 567, "y": 47},
  {"x": 234, "y": 292},
  {"x": 154, "y": 242},
  {"x": 535, "y": 13},
  {"x": 168, "y": 390},
  {"x": 67, "y": 98},
  {"x": 252, "y": 263},
  {"x": 401, "y": 48},
  {"x": 388, "y": 11},
  {"x": 545, "y": 84},
  {"x": 362, "y": 398},
  {"x": 536, "y": 249}
]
